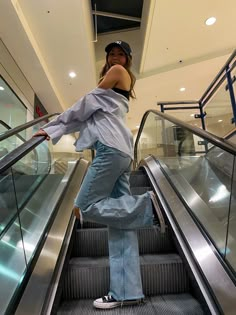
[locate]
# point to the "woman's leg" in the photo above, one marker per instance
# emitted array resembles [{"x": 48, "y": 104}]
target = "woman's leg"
[
  {"x": 94, "y": 201},
  {"x": 125, "y": 276}
]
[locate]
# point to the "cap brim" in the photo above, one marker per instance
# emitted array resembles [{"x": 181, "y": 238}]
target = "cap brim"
[{"x": 110, "y": 46}]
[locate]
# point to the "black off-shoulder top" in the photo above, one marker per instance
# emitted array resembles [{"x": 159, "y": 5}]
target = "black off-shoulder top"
[{"x": 122, "y": 92}]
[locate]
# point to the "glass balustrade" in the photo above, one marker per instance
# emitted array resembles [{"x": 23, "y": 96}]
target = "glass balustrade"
[
  {"x": 218, "y": 119},
  {"x": 12, "y": 257},
  {"x": 27, "y": 202},
  {"x": 201, "y": 174}
]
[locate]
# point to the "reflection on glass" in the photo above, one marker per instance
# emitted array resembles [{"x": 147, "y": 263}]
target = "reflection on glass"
[
  {"x": 201, "y": 175},
  {"x": 9, "y": 144},
  {"x": 231, "y": 244},
  {"x": 8, "y": 206},
  {"x": 12, "y": 265},
  {"x": 219, "y": 112},
  {"x": 162, "y": 138}
]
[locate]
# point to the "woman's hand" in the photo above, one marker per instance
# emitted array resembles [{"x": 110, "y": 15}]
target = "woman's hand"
[{"x": 41, "y": 132}]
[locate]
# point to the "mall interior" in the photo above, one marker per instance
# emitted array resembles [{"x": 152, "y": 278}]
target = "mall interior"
[{"x": 183, "y": 123}]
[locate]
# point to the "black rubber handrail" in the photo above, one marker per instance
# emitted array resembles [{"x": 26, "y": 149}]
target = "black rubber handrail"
[
  {"x": 215, "y": 140},
  {"x": 9, "y": 128},
  {"x": 11, "y": 158},
  {"x": 31, "y": 123}
]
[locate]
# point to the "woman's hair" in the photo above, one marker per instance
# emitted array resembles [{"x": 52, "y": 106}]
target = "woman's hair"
[{"x": 127, "y": 66}]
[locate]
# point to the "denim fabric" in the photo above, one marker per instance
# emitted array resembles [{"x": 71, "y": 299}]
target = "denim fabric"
[{"x": 105, "y": 198}]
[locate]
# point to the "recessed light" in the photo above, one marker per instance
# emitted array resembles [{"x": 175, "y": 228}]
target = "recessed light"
[
  {"x": 72, "y": 74},
  {"x": 2, "y": 88},
  {"x": 182, "y": 89},
  {"x": 220, "y": 120},
  {"x": 210, "y": 21}
]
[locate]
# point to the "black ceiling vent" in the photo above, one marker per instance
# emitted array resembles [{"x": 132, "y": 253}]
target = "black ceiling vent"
[{"x": 116, "y": 15}]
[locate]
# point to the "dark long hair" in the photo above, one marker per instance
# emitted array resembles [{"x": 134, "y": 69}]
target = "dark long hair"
[{"x": 127, "y": 66}]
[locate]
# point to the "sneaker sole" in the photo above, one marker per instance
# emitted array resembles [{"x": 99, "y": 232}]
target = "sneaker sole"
[{"x": 107, "y": 306}]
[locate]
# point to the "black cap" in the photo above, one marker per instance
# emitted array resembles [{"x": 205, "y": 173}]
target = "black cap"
[{"x": 123, "y": 45}]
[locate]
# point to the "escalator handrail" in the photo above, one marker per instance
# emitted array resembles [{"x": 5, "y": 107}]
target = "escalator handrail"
[
  {"x": 9, "y": 128},
  {"x": 11, "y": 158},
  {"x": 31, "y": 123},
  {"x": 217, "y": 141},
  {"x": 20, "y": 137}
]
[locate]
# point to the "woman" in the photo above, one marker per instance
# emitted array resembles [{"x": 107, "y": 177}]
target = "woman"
[{"x": 104, "y": 196}]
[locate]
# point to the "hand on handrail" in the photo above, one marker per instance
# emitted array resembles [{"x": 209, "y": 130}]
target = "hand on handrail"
[{"x": 41, "y": 132}]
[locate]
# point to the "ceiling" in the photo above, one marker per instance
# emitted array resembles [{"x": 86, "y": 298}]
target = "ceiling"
[{"x": 172, "y": 46}]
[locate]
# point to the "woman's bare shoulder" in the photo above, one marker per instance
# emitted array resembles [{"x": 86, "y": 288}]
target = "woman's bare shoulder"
[{"x": 117, "y": 69}]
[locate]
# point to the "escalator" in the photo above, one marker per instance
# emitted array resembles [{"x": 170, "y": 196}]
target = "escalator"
[
  {"x": 189, "y": 269},
  {"x": 166, "y": 281},
  {"x": 31, "y": 186}
]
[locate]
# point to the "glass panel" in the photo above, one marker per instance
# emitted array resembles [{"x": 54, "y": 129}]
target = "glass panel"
[
  {"x": 30, "y": 171},
  {"x": 202, "y": 179},
  {"x": 231, "y": 245},
  {"x": 37, "y": 186},
  {"x": 219, "y": 112},
  {"x": 8, "y": 208},
  {"x": 9, "y": 144},
  {"x": 12, "y": 264},
  {"x": 12, "y": 142},
  {"x": 162, "y": 138},
  {"x": 12, "y": 259},
  {"x": 186, "y": 115}
]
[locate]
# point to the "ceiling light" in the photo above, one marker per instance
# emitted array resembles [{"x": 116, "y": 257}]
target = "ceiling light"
[
  {"x": 2, "y": 88},
  {"x": 192, "y": 115},
  {"x": 182, "y": 89},
  {"x": 220, "y": 120},
  {"x": 72, "y": 74},
  {"x": 210, "y": 21}
]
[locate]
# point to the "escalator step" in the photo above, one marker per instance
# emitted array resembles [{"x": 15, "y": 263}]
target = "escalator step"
[
  {"x": 181, "y": 304},
  {"x": 89, "y": 277},
  {"x": 94, "y": 242}
]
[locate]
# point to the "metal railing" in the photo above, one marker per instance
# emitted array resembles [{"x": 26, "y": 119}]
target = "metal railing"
[{"x": 225, "y": 74}]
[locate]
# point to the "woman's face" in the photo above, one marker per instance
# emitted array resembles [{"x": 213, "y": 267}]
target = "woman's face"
[{"x": 116, "y": 57}]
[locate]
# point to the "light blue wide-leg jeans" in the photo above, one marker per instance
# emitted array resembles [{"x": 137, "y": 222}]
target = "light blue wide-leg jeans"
[{"x": 105, "y": 198}]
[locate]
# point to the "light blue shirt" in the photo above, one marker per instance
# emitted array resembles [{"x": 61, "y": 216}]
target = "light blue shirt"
[{"x": 99, "y": 115}]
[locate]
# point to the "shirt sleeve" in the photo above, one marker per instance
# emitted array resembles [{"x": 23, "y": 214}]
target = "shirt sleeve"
[{"x": 72, "y": 119}]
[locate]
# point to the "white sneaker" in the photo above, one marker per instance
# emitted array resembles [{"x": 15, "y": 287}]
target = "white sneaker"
[{"x": 106, "y": 302}]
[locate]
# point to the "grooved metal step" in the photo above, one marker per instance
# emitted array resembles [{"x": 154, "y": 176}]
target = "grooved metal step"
[
  {"x": 89, "y": 277},
  {"x": 94, "y": 242},
  {"x": 181, "y": 304}
]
